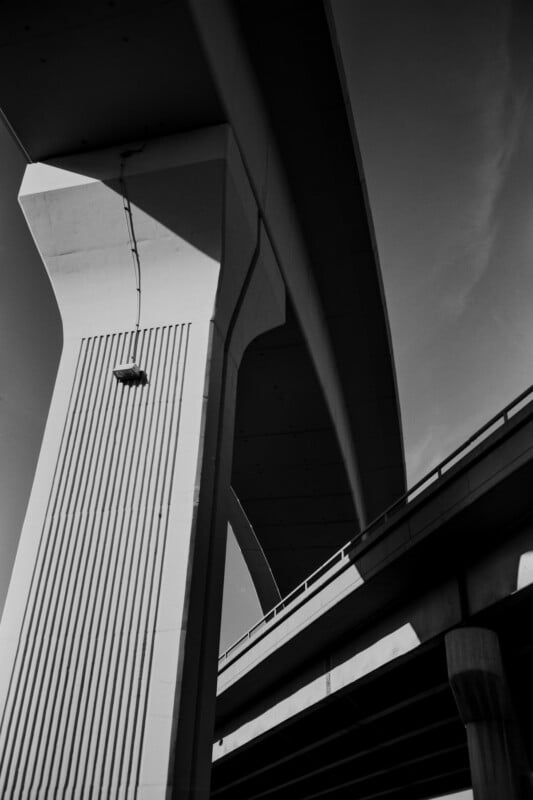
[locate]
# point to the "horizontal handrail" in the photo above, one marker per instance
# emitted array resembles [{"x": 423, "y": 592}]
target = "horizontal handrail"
[{"x": 342, "y": 555}]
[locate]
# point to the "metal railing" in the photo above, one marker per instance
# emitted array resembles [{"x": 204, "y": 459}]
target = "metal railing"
[{"x": 311, "y": 584}]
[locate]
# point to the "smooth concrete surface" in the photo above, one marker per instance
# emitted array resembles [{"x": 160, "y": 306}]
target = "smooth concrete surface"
[
  {"x": 393, "y": 732},
  {"x": 288, "y": 470},
  {"x": 150, "y": 78},
  {"x": 391, "y": 646},
  {"x": 289, "y": 623},
  {"x": 110, "y": 630}
]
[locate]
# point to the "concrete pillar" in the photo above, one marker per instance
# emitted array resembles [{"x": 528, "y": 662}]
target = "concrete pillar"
[
  {"x": 498, "y": 763},
  {"x": 108, "y": 644}
]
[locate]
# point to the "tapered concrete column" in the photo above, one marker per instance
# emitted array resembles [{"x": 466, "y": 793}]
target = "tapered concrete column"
[
  {"x": 497, "y": 760},
  {"x": 109, "y": 638}
]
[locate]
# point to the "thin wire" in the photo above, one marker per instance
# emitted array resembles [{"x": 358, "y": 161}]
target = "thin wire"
[{"x": 134, "y": 249}]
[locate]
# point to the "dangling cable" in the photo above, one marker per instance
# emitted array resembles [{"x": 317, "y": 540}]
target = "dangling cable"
[{"x": 133, "y": 244}]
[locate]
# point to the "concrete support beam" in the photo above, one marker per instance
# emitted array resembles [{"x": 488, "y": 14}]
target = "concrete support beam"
[
  {"x": 226, "y": 51},
  {"x": 110, "y": 631},
  {"x": 498, "y": 763}
]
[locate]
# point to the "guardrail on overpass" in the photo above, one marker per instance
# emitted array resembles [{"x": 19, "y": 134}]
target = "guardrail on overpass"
[{"x": 341, "y": 560}]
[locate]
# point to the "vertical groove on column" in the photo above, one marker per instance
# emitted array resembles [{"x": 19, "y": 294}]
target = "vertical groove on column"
[
  {"x": 21, "y": 653},
  {"x": 76, "y": 703},
  {"x": 134, "y": 761}
]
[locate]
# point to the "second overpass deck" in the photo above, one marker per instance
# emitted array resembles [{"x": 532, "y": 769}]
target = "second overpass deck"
[{"x": 457, "y": 547}]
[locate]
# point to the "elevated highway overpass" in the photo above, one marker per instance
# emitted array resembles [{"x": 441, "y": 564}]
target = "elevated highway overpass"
[
  {"x": 346, "y": 688},
  {"x": 212, "y": 140}
]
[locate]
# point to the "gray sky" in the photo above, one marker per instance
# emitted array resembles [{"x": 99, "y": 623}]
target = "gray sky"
[
  {"x": 441, "y": 93},
  {"x": 30, "y": 341}
]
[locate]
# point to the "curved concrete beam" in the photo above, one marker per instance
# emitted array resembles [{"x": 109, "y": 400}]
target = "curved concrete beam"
[
  {"x": 234, "y": 77},
  {"x": 346, "y": 335},
  {"x": 254, "y": 557}
]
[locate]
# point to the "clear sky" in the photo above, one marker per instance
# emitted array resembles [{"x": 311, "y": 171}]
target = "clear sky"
[
  {"x": 441, "y": 94},
  {"x": 30, "y": 342}
]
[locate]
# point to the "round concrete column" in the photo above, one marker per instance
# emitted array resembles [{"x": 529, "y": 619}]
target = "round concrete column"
[{"x": 497, "y": 759}]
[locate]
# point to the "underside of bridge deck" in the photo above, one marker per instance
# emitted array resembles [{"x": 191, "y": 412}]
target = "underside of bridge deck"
[
  {"x": 288, "y": 471},
  {"x": 395, "y": 735}
]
